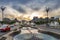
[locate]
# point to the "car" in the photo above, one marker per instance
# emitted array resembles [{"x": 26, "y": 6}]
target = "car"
[
  {"x": 13, "y": 25},
  {"x": 5, "y": 28}
]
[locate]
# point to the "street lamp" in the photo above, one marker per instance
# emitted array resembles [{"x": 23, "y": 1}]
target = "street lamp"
[
  {"x": 47, "y": 10},
  {"x": 2, "y": 8}
]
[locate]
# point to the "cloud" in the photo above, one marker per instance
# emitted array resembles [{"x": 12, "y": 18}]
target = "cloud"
[
  {"x": 25, "y": 7},
  {"x": 14, "y": 1},
  {"x": 37, "y": 4},
  {"x": 19, "y": 8},
  {"x": 33, "y": 4}
]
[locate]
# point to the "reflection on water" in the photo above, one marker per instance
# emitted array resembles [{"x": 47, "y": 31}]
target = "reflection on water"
[{"x": 25, "y": 36}]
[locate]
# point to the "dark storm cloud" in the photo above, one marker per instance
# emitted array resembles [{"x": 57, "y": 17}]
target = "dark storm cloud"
[
  {"x": 18, "y": 1},
  {"x": 36, "y": 9},
  {"x": 14, "y": 4},
  {"x": 33, "y": 4},
  {"x": 18, "y": 8}
]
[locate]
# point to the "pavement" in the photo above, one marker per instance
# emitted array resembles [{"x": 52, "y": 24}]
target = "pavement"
[
  {"x": 47, "y": 29},
  {"x": 3, "y": 33},
  {"x": 57, "y": 31}
]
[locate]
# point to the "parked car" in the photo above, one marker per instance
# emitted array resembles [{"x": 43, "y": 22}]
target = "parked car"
[{"x": 5, "y": 28}]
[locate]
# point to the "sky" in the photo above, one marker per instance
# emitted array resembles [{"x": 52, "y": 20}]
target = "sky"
[{"x": 24, "y": 9}]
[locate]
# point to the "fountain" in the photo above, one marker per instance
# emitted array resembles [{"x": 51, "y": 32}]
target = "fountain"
[
  {"x": 34, "y": 38},
  {"x": 32, "y": 35}
]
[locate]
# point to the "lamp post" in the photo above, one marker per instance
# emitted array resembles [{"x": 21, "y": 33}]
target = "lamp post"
[
  {"x": 2, "y": 8},
  {"x": 47, "y": 10}
]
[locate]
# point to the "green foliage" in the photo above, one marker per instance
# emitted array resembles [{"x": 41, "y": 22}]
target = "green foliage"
[
  {"x": 59, "y": 21},
  {"x": 12, "y": 22},
  {"x": 39, "y": 22},
  {"x": 5, "y": 22}
]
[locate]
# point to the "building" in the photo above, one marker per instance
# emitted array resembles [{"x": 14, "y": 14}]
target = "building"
[
  {"x": 54, "y": 23},
  {"x": 35, "y": 19}
]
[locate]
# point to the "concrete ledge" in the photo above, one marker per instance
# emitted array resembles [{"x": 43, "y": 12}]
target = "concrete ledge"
[
  {"x": 50, "y": 33},
  {"x": 15, "y": 33},
  {"x": 3, "y": 38}
]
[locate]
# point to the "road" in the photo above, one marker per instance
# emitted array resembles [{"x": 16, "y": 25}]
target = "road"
[{"x": 6, "y": 34}]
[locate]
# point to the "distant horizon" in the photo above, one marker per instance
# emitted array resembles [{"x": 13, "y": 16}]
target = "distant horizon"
[{"x": 27, "y": 19}]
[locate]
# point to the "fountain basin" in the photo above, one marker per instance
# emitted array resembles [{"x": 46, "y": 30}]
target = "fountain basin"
[{"x": 28, "y": 36}]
